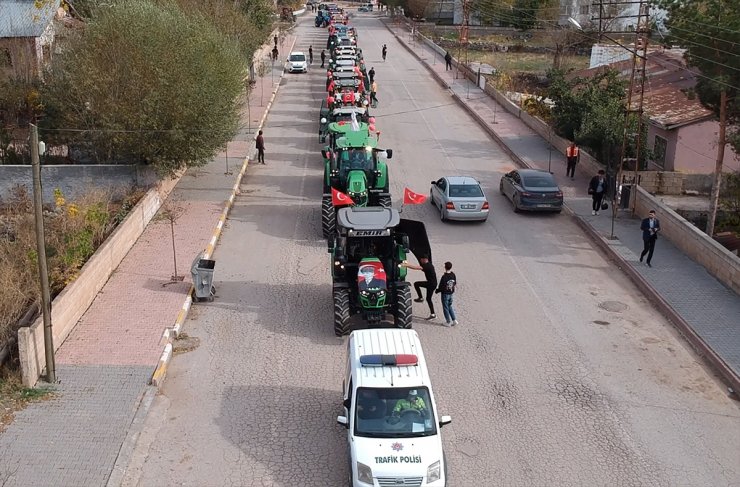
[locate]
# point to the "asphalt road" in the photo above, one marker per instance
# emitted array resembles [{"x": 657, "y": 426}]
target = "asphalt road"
[{"x": 560, "y": 373}]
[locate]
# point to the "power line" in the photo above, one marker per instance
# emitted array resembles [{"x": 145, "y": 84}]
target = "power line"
[{"x": 713, "y": 26}]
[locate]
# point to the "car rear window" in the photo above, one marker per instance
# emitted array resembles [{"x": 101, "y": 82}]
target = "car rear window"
[
  {"x": 465, "y": 190},
  {"x": 539, "y": 181},
  {"x": 297, "y": 57}
]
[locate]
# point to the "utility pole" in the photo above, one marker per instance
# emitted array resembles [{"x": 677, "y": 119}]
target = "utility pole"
[
  {"x": 41, "y": 257},
  {"x": 636, "y": 89}
]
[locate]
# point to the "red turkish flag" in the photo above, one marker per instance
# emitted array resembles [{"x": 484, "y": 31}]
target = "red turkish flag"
[
  {"x": 340, "y": 199},
  {"x": 411, "y": 198}
]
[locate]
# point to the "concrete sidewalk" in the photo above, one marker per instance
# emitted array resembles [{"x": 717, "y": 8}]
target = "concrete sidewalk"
[
  {"x": 705, "y": 311},
  {"x": 105, "y": 365}
]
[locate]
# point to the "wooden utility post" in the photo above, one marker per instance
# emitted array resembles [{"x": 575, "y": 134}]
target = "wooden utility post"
[{"x": 38, "y": 207}]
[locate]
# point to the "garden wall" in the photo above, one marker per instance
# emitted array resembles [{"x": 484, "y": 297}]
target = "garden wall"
[
  {"x": 76, "y": 180},
  {"x": 69, "y": 306}
]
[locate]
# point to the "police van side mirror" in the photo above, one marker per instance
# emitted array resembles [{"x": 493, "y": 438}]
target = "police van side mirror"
[
  {"x": 343, "y": 421},
  {"x": 444, "y": 420}
]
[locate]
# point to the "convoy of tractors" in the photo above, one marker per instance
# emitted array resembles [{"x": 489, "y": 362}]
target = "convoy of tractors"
[{"x": 367, "y": 238}]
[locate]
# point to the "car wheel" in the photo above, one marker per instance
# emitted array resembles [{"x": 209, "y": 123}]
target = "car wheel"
[
  {"x": 442, "y": 216},
  {"x": 501, "y": 187}
]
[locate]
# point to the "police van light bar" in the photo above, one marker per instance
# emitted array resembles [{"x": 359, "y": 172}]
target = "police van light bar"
[{"x": 388, "y": 360}]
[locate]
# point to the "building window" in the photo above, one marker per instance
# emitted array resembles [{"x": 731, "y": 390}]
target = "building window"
[
  {"x": 659, "y": 149},
  {"x": 584, "y": 10},
  {"x": 5, "y": 60}
]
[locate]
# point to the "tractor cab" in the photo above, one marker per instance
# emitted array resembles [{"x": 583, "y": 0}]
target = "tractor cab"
[
  {"x": 354, "y": 165},
  {"x": 367, "y": 250},
  {"x": 341, "y": 114}
]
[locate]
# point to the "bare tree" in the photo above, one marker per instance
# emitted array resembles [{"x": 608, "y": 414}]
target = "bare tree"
[{"x": 171, "y": 211}]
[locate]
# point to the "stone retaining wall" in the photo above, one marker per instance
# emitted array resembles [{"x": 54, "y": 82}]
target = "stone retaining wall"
[{"x": 716, "y": 259}]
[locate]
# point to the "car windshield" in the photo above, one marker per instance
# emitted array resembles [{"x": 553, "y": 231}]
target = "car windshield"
[
  {"x": 297, "y": 57},
  {"x": 465, "y": 191},
  {"x": 538, "y": 181},
  {"x": 394, "y": 413}
]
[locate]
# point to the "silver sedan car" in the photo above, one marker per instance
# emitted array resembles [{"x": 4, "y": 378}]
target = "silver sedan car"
[{"x": 459, "y": 198}]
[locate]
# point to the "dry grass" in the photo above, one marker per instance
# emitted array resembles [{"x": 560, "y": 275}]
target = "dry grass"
[
  {"x": 14, "y": 397},
  {"x": 73, "y": 232},
  {"x": 525, "y": 62}
]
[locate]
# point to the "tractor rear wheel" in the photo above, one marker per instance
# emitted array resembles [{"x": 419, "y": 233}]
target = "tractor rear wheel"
[
  {"x": 403, "y": 307},
  {"x": 328, "y": 217},
  {"x": 384, "y": 201},
  {"x": 341, "y": 312}
]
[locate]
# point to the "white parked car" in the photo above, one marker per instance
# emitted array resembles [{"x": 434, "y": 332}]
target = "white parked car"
[{"x": 297, "y": 63}]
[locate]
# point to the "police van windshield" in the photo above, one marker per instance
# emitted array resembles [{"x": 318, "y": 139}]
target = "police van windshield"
[{"x": 394, "y": 413}]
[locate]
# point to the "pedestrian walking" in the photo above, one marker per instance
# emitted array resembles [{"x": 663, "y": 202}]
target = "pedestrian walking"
[
  {"x": 650, "y": 227},
  {"x": 430, "y": 283},
  {"x": 373, "y": 93},
  {"x": 275, "y": 53},
  {"x": 275, "y": 38},
  {"x": 260, "y": 148},
  {"x": 323, "y": 57},
  {"x": 597, "y": 189},
  {"x": 447, "y": 285},
  {"x": 371, "y": 75},
  {"x": 448, "y": 61},
  {"x": 310, "y": 54},
  {"x": 384, "y": 51},
  {"x": 573, "y": 155}
]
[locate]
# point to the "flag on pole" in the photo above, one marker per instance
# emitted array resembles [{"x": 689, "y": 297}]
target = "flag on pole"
[
  {"x": 411, "y": 198},
  {"x": 340, "y": 199},
  {"x": 355, "y": 123}
]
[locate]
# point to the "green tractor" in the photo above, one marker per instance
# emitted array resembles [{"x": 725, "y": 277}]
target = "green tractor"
[
  {"x": 341, "y": 114},
  {"x": 367, "y": 276},
  {"x": 355, "y": 166}
]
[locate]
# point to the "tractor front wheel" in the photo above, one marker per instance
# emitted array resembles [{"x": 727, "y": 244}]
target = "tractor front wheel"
[
  {"x": 384, "y": 201},
  {"x": 328, "y": 217},
  {"x": 403, "y": 307},
  {"x": 341, "y": 312}
]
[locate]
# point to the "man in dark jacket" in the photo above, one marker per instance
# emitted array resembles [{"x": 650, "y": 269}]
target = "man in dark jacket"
[
  {"x": 371, "y": 75},
  {"x": 430, "y": 284},
  {"x": 447, "y": 286},
  {"x": 260, "y": 148},
  {"x": 597, "y": 189},
  {"x": 448, "y": 61},
  {"x": 323, "y": 57},
  {"x": 650, "y": 227}
]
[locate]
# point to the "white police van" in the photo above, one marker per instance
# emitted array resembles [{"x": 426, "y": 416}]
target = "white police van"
[{"x": 389, "y": 412}]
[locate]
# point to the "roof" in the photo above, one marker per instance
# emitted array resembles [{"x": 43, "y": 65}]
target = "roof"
[
  {"x": 368, "y": 218},
  {"x": 462, "y": 180},
  {"x": 387, "y": 342},
  {"x": 668, "y": 80},
  {"x": 531, "y": 172},
  {"x": 22, "y": 18}
]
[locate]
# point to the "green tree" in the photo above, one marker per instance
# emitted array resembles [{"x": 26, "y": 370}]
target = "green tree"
[
  {"x": 146, "y": 83},
  {"x": 591, "y": 112},
  {"x": 708, "y": 29}
]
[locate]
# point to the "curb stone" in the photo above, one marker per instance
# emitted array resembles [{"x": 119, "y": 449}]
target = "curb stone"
[
  {"x": 683, "y": 327},
  {"x": 171, "y": 333}
]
